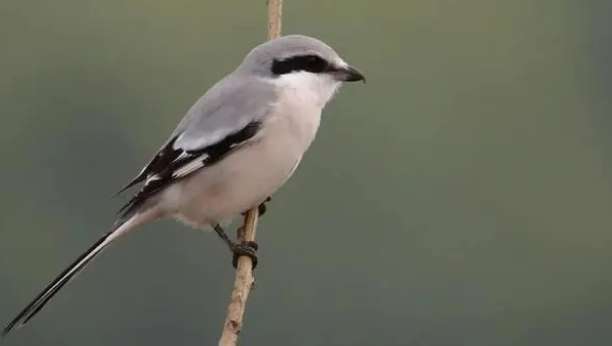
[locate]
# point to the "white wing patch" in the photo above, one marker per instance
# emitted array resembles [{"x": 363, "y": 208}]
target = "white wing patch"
[
  {"x": 183, "y": 155},
  {"x": 191, "y": 167},
  {"x": 152, "y": 178}
]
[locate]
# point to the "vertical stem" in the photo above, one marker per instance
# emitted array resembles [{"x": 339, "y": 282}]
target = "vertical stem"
[
  {"x": 275, "y": 18},
  {"x": 244, "y": 271}
]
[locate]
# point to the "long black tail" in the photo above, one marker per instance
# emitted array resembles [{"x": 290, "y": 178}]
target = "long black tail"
[{"x": 39, "y": 302}]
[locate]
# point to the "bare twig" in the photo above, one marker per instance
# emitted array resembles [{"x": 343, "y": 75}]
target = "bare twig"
[
  {"x": 275, "y": 21},
  {"x": 242, "y": 285},
  {"x": 244, "y": 271}
]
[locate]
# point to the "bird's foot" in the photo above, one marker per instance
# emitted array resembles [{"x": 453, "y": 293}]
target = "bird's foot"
[
  {"x": 261, "y": 209},
  {"x": 246, "y": 248}
]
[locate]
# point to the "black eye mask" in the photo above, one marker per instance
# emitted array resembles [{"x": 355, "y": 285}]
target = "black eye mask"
[{"x": 309, "y": 63}]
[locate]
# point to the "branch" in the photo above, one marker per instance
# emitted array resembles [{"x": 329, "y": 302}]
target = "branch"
[
  {"x": 275, "y": 15},
  {"x": 244, "y": 271},
  {"x": 242, "y": 284}
]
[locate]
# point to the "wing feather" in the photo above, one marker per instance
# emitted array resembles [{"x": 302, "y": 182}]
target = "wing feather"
[
  {"x": 229, "y": 115},
  {"x": 185, "y": 163}
]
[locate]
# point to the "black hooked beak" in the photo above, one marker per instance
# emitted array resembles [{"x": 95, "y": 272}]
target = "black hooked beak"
[{"x": 348, "y": 74}]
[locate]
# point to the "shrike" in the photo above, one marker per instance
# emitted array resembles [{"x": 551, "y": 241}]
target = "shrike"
[{"x": 236, "y": 146}]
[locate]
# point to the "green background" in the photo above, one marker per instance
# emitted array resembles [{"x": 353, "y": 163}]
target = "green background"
[{"x": 462, "y": 197}]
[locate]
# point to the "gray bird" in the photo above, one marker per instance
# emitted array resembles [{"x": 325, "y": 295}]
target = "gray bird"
[{"x": 236, "y": 146}]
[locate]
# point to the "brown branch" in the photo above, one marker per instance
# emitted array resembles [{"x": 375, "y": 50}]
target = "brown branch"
[
  {"x": 242, "y": 284},
  {"x": 244, "y": 271},
  {"x": 275, "y": 21}
]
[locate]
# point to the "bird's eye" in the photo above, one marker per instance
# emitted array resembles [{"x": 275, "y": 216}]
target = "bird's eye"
[{"x": 314, "y": 64}]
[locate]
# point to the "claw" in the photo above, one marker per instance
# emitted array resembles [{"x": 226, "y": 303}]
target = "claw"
[
  {"x": 247, "y": 248},
  {"x": 261, "y": 208}
]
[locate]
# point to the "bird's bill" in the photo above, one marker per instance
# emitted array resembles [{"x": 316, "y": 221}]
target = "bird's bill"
[{"x": 349, "y": 74}]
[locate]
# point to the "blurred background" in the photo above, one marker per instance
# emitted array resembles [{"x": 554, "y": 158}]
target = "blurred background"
[{"x": 462, "y": 197}]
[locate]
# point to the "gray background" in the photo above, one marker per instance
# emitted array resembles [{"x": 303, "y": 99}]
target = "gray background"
[{"x": 461, "y": 197}]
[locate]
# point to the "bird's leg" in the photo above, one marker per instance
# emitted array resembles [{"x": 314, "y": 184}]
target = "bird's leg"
[{"x": 246, "y": 248}]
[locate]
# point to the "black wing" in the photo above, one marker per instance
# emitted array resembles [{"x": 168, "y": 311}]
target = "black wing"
[
  {"x": 172, "y": 164},
  {"x": 164, "y": 157}
]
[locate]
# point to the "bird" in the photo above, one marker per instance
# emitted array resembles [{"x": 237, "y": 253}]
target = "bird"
[{"x": 236, "y": 146}]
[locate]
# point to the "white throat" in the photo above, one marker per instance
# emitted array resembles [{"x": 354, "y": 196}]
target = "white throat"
[{"x": 310, "y": 88}]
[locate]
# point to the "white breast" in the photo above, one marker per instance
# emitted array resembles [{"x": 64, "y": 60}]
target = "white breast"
[
  {"x": 302, "y": 96},
  {"x": 254, "y": 172}
]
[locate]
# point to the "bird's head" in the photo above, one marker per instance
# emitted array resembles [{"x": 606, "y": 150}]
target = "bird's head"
[{"x": 301, "y": 63}]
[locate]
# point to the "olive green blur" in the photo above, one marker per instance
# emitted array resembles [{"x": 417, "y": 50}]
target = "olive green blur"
[{"x": 463, "y": 196}]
